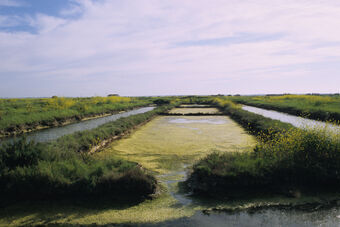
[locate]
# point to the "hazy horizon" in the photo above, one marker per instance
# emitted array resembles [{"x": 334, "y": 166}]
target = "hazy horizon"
[
  {"x": 179, "y": 95},
  {"x": 82, "y": 48}
]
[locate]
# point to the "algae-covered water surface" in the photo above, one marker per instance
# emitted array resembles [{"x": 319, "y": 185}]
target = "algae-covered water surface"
[{"x": 169, "y": 143}]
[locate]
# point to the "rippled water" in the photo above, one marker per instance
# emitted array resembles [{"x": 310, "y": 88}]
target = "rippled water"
[{"x": 46, "y": 135}]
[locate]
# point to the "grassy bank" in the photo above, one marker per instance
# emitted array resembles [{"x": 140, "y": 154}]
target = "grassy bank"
[
  {"x": 286, "y": 160},
  {"x": 324, "y": 108},
  {"x": 63, "y": 168},
  {"x": 20, "y": 115}
]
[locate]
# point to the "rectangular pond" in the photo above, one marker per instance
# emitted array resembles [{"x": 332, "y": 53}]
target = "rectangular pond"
[
  {"x": 170, "y": 142},
  {"x": 194, "y": 111}
]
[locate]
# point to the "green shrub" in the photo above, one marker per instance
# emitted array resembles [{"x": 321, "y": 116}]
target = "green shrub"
[
  {"x": 53, "y": 176},
  {"x": 19, "y": 153}
]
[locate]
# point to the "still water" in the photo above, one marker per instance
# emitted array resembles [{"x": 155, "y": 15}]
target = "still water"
[{"x": 298, "y": 122}]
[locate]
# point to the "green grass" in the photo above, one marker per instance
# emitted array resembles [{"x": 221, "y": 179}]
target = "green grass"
[{"x": 324, "y": 108}]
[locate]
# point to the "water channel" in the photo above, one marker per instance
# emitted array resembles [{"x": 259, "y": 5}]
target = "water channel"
[
  {"x": 296, "y": 121},
  {"x": 49, "y": 134}
]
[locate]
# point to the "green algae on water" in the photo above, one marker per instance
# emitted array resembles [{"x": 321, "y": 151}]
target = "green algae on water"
[
  {"x": 167, "y": 143},
  {"x": 157, "y": 210}
]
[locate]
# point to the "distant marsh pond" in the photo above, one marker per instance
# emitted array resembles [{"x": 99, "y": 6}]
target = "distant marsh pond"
[{"x": 194, "y": 111}]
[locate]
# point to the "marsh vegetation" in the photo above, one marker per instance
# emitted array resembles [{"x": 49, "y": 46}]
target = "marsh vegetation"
[{"x": 169, "y": 168}]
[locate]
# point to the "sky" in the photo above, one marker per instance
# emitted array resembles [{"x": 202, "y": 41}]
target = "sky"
[{"x": 175, "y": 47}]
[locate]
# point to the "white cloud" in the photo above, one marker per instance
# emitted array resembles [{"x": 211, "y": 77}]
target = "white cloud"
[
  {"x": 11, "y": 3},
  {"x": 75, "y": 8},
  {"x": 134, "y": 39}
]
